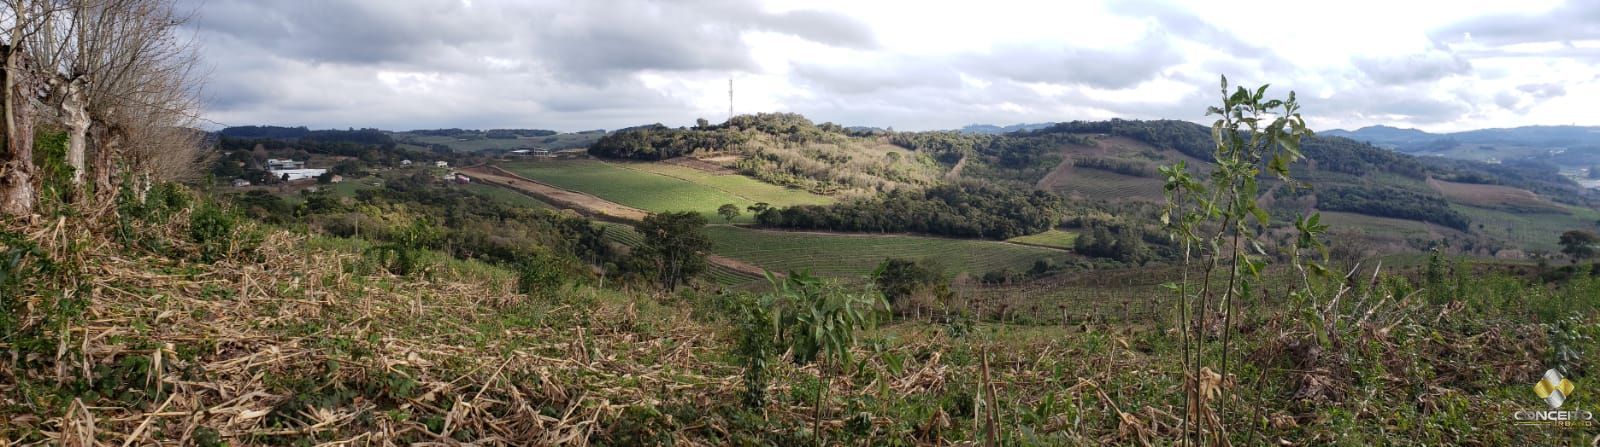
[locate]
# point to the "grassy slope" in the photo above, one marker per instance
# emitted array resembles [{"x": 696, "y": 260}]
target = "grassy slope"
[
  {"x": 661, "y": 188},
  {"x": 856, "y": 255},
  {"x": 1534, "y": 231},
  {"x": 1051, "y": 238}
]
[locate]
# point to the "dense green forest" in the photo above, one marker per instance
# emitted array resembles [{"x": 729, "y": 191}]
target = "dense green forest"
[{"x": 1391, "y": 202}]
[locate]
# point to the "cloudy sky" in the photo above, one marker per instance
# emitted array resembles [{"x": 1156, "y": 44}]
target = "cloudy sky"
[{"x": 909, "y": 64}]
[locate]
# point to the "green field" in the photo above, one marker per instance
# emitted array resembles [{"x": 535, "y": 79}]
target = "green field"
[
  {"x": 660, "y": 188},
  {"x": 1051, "y": 238},
  {"x": 506, "y": 196},
  {"x": 855, "y": 255}
]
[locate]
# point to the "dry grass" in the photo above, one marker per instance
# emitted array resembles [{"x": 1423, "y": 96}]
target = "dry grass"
[
  {"x": 242, "y": 349},
  {"x": 303, "y": 341}
]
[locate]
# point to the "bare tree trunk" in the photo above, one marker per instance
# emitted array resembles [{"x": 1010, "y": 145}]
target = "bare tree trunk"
[
  {"x": 108, "y": 142},
  {"x": 16, "y": 165},
  {"x": 75, "y": 112}
]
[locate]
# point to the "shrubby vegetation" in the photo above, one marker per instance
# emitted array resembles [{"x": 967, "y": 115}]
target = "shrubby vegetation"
[
  {"x": 908, "y": 283},
  {"x": 965, "y": 209},
  {"x": 1119, "y": 242}
]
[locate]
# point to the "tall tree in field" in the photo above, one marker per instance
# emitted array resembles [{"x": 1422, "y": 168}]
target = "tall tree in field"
[
  {"x": 674, "y": 243},
  {"x": 1580, "y": 244},
  {"x": 728, "y": 211}
]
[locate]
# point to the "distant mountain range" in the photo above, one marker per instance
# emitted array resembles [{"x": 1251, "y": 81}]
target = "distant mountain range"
[
  {"x": 1562, "y": 146},
  {"x": 1413, "y": 140},
  {"x": 993, "y": 129}
]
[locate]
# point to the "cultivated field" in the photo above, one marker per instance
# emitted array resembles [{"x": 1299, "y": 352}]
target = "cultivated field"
[
  {"x": 1385, "y": 230},
  {"x": 1496, "y": 197},
  {"x": 1095, "y": 183},
  {"x": 856, "y": 255},
  {"x": 661, "y": 188},
  {"x": 506, "y": 196}
]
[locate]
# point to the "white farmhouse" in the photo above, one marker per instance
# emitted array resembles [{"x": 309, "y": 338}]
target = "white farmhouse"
[{"x": 297, "y": 174}]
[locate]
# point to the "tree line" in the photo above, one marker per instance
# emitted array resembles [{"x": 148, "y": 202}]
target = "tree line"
[
  {"x": 1391, "y": 202},
  {"x": 1122, "y": 166},
  {"x": 1326, "y": 153},
  {"x": 965, "y": 209}
]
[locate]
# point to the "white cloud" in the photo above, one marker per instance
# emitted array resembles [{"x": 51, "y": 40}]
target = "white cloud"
[{"x": 582, "y": 64}]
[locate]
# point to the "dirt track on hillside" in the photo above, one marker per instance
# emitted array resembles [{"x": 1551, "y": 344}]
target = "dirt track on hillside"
[{"x": 585, "y": 204}]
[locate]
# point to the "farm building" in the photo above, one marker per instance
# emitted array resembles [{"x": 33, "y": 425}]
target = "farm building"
[
  {"x": 441, "y": 164},
  {"x": 274, "y": 164},
  {"x": 297, "y": 174}
]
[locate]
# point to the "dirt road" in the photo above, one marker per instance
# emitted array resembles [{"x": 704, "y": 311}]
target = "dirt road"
[{"x": 581, "y": 202}]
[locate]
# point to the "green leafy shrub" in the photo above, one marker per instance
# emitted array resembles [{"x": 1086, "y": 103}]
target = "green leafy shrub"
[{"x": 213, "y": 228}]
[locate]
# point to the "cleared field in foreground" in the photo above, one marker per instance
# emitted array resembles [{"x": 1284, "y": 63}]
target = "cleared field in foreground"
[
  {"x": 1052, "y": 238},
  {"x": 660, "y": 188},
  {"x": 853, "y": 255}
]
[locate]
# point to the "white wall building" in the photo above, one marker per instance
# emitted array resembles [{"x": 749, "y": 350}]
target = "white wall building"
[{"x": 297, "y": 174}]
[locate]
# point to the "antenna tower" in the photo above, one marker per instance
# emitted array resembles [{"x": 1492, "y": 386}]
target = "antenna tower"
[{"x": 730, "y": 99}]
